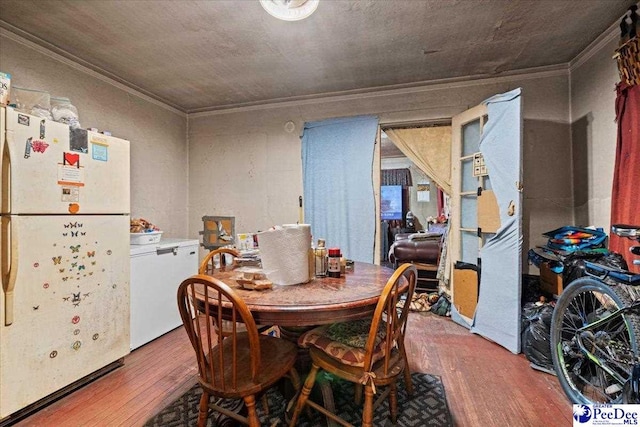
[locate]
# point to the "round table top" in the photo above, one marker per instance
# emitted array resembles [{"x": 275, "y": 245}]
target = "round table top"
[{"x": 323, "y": 300}]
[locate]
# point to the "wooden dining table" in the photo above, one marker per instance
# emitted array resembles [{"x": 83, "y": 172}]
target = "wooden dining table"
[{"x": 320, "y": 301}]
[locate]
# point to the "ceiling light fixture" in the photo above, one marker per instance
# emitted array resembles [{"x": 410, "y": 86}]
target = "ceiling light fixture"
[{"x": 290, "y": 10}]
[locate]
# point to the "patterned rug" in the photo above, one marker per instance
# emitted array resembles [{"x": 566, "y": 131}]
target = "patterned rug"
[{"x": 427, "y": 407}]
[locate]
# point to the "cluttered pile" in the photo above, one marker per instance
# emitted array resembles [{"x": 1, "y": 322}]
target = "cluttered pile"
[
  {"x": 561, "y": 260},
  {"x": 41, "y": 103},
  {"x": 568, "y": 247},
  {"x": 38, "y": 103},
  {"x": 433, "y": 302}
]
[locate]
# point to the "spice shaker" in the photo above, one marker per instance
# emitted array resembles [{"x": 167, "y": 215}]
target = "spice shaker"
[
  {"x": 321, "y": 259},
  {"x": 333, "y": 262}
]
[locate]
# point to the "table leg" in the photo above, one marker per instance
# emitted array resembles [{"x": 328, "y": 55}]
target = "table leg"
[
  {"x": 327, "y": 399},
  {"x": 303, "y": 366},
  {"x": 303, "y": 361}
]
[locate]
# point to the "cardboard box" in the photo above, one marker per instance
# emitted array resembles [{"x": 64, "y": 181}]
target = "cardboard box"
[
  {"x": 488, "y": 212},
  {"x": 465, "y": 291},
  {"x": 549, "y": 281}
]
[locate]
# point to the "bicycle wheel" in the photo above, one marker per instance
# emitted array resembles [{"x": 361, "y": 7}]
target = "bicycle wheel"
[{"x": 597, "y": 371}]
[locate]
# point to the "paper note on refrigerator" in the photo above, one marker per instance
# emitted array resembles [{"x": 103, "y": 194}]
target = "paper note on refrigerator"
[
  {"x": 70, "y": 175},
  {"x": 99, "y": 152}
]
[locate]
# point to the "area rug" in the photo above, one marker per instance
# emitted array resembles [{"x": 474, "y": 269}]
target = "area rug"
[{"x": 427, "y": 407}]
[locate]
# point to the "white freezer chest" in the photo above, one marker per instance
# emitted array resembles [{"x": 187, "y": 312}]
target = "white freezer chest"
[{"x": 156, "y": 272}]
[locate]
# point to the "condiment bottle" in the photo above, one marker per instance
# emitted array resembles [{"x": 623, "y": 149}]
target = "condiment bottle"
[
  {"x": 321, "y": 259},
  {"x": 333, "y": 264},
  {"x": 311, "y": 259}
]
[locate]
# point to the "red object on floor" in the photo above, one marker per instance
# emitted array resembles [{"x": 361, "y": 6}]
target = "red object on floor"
[{"x": 625, "y": 196}]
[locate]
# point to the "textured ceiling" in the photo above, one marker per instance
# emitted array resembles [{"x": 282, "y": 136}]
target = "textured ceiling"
[{"x": 209, "y": 55}]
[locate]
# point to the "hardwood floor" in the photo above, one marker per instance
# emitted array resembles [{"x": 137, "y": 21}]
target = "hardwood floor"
[{"x": 485, "y": 384}]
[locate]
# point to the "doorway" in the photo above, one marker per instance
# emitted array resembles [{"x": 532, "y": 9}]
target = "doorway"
[{"x": 410, "y": 200}]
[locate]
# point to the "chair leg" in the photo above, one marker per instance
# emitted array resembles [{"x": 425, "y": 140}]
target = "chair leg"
[
  {"x": 367, "y": 411},
  {"x": 265, "y": 404},
  {"x": 328, "y": 402},
  {"x": 252, "y": 415},
  {"x": 393, "y": 401},
  {"x": 408, "y": 383},
  {"x": 358, "y": 394},
  {"x": 203, "y": 411},
  {"x": 304, "y": 394},
  {"x": 294, "y": 378}
]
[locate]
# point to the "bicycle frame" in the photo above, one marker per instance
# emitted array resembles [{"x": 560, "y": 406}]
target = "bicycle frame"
[
  {"x": 601, "y": 272},
  {"x": 599, "y": 322}
]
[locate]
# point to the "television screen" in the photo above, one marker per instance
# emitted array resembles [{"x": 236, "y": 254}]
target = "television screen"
[{"x": 390, "y": 202}]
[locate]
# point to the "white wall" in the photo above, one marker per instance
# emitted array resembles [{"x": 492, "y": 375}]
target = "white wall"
[
  {"x": 159, "y": 170},
  {"x": 593, "y": 95},
  {"x": 423, "y": 210},
  {"x": 244, "y": 164}
]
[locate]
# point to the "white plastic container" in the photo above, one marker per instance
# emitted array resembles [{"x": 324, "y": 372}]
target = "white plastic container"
[
  {"x": 63, "y": 111},
  {"x": 145, "y": 238},
  {"x": 32, "y": 101}
]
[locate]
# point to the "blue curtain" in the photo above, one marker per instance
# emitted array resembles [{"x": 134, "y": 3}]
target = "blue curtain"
[{"x": 337, "y": 159}]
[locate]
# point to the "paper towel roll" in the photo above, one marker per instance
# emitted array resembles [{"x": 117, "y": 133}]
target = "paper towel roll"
[{"x": 285, "y": 254}]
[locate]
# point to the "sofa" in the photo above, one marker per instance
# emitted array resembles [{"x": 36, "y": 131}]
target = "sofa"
[{"x": 423, "y": 250}]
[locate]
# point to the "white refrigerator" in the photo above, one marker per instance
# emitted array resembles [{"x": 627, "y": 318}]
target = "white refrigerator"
[{"x": 64, "y": 305}]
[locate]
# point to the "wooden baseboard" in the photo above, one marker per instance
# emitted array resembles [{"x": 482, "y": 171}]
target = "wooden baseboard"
[{"x": 32, "y": 408}]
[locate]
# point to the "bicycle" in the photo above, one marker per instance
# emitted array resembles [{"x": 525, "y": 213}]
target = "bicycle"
[{"x": 595, "y": 330}]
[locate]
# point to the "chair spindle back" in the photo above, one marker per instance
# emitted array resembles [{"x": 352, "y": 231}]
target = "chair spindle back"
[
  {"x": 217, "y": 260},
  {"x": 204, "y": 302},
  {"x": 391, "y": 316}
]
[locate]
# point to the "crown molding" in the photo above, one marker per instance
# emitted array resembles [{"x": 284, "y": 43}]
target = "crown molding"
[
  {"x": 392, "y": 90},
  {"x": 610, "y": 34},
  {"x": 596, "y": 46},
  {"x": 44, "y": 47}
]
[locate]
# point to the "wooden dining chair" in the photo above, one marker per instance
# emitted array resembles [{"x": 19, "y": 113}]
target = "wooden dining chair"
[
  {"x": 220, "y": 260},
  {"x": 369, "y": 352},
  {"x": 240, "y": 365},
  {"x": 217, "y": 260}
]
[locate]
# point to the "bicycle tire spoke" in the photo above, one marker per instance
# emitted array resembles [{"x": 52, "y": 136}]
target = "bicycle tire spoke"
[{"x": 593, "y": 344}]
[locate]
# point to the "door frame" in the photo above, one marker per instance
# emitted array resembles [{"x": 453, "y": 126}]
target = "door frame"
[{"x": 479, "y": 112}]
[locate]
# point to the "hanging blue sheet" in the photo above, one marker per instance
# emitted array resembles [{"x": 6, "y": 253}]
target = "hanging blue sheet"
[{"x": 337, "y": 159}]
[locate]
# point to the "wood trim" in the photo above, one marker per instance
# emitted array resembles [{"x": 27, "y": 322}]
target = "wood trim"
[
  {"x": 377, "y": 167},
  {"x": 455, "y": 228}
]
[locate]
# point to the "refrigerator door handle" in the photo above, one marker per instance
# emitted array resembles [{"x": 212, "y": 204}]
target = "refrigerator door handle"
[
  {"x": 9, "y": 266},
  {"x": 5, "y": 170}
]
